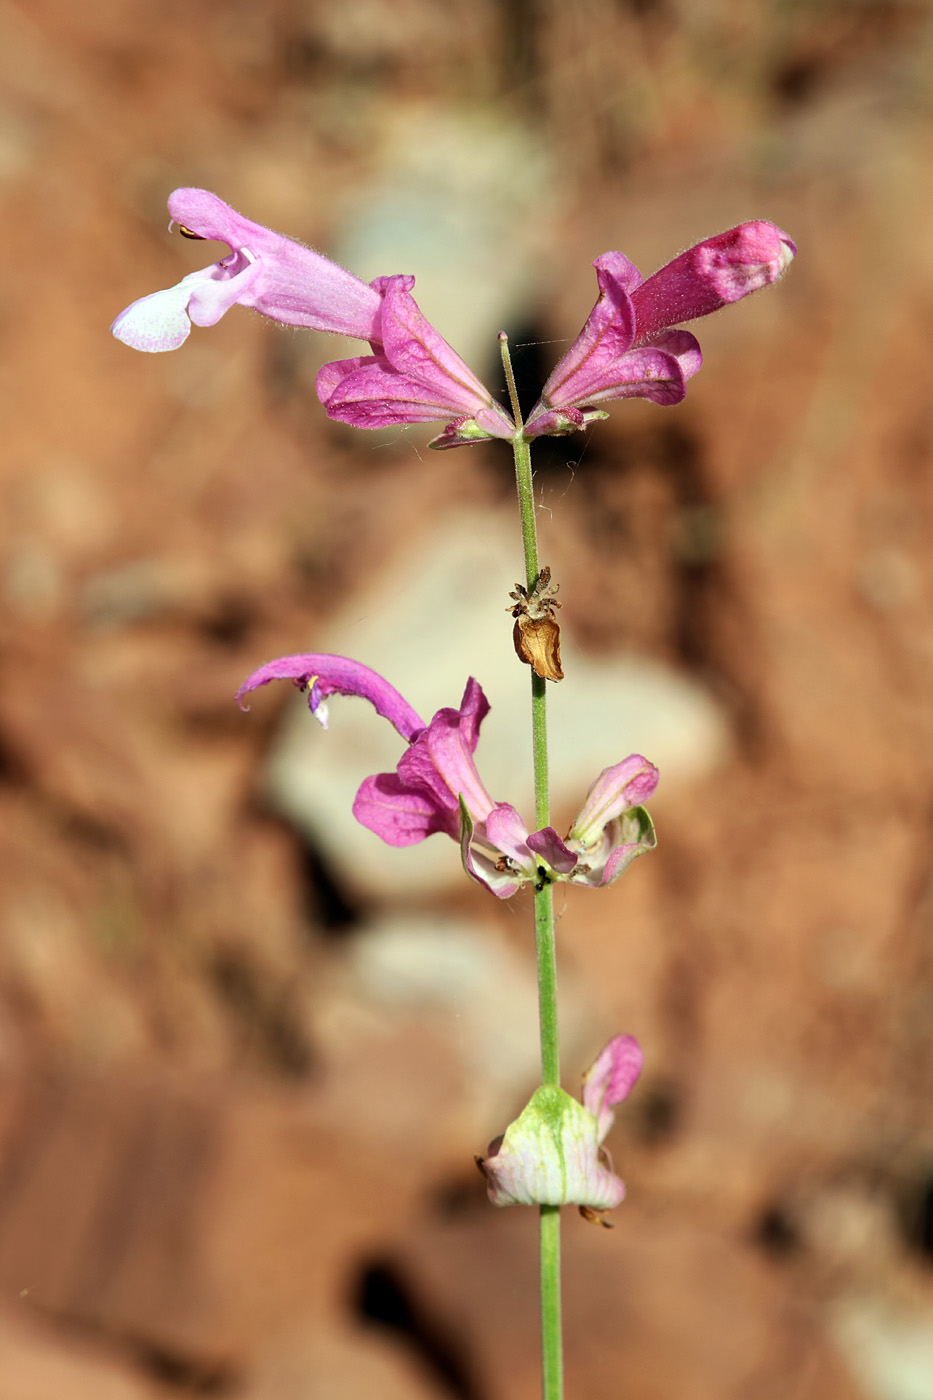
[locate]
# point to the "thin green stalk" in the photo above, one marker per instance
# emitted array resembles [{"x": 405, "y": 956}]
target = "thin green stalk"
[{"x": 551, "y": 1334}]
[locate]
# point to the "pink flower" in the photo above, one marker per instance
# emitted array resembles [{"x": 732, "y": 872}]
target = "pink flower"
[
  {"x": 413, "y": 375},
  {"x": 436, "y": 788},
  {"x": 553, "y": 1153},
  {"x": 628, "y": 347}
]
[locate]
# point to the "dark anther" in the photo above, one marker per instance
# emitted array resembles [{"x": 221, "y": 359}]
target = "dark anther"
[{"x": 186, "y": 233}]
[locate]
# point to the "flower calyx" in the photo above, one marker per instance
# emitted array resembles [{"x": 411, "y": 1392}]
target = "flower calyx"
[
  {"x": 536, "y": 634},
  {"x": 553, "y": 1153}
]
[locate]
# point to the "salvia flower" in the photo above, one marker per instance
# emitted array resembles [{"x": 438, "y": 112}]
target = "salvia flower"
[
  {"x": 629, "y": 347},
  {"x": 436, "y": 788},
  {"x": 553, "y": 1153},
  {"x": 412, "y": 376}
]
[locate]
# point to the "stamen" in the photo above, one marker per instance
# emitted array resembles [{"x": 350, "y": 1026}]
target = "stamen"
[{"x": 187, "y": 233}]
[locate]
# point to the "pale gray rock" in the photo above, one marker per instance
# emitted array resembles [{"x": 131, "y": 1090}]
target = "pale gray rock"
[
  {"x": 888, "y": 1347},
  {"x": 464, "y": 200}
]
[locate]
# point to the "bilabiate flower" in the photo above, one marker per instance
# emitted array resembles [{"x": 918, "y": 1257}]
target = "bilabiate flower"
[
  {"x": 412, "y": 376},
  {"x": 628, "y": 347},
  {"x": 436, "y": 788},
  {"x": 553, "y": 1153}
]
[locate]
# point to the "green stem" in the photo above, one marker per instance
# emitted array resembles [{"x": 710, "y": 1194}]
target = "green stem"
[{"x": 551, "y": 1335}]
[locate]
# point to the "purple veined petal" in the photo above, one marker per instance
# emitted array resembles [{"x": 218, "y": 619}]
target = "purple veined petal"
[
  {"x": 440, "y": 761},
  {"x": 611, "y": 1078},
  {"x": 547, "y": 844},
  {"x": 683, "y": 346},
  {"x": 396, "y": 813},
  {"x": 323, "y": 674},
  {"x": 712, "y": 274},
  {"x": 377, "y": 396},
  {"x": 625, "y": 785},
  {"x": 607, "y": 335},
  {"x": 483, "y": 863},
  {"x": 417, "y": 351},
  {"x": 643, "y": 373},
  {"x": 332, "y": 375},
  {"x": 296, "y": 285}
]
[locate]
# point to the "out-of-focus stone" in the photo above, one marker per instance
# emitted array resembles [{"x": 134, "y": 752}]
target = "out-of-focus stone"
[
  {"x": 182, "y": 1218},
  {"x": 429, "y": 622},
  {"x": 339, "y": 1364},
  {"x": 36, "y": 1363},
  {"x": 888, "y": 1346},
  {"x": 464, "y": 1003},
  {"x": 465, "y": 200}
]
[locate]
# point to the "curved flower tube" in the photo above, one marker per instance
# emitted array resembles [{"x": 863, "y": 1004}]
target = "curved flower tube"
[
  {"x": 413, "y": 375},
  {"x": 553, "y": 1153},
  {"x": 628, "y": 347},
  {"x": 436, "y": 788}
]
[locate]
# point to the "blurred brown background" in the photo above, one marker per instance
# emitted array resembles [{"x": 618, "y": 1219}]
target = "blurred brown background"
[{"x": 244, "y": 1064}]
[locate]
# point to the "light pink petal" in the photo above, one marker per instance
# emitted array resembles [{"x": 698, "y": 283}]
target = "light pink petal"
[
  {"x": 323, "y": 674},
  {"x": 627, "y": 784},
  {"x": 624, "y": 838},
  {"x": 296, "y": 285},
  {"x": 611, "y": 1078},
  {"x": 483, "y": 863},
  {"x": 712, "y": 274}
]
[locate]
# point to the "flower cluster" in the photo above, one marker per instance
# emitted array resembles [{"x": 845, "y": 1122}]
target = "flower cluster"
[
  {"x": 436, "y": 788},
  {"x": 628, "y": 347}
]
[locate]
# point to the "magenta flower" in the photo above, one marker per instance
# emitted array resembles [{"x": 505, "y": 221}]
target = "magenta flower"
[
  {"x": 436, "y": 788},
  {"x": 413, "y": 376},
  {"x": 553, "y": 1153},
  {"x": 628, "y": 347}
]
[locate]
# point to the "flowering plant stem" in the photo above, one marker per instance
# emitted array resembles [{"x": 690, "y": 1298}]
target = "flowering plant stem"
[{"x": 551, "y": 1336}]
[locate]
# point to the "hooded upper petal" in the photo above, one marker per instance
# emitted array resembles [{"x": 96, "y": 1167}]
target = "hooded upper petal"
[
  {"x": 277, "y": 276},
  {"x": 323, "y": 674},
  {"x": 295, "y": 284},
  {"x": 710, "y": 275}
]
